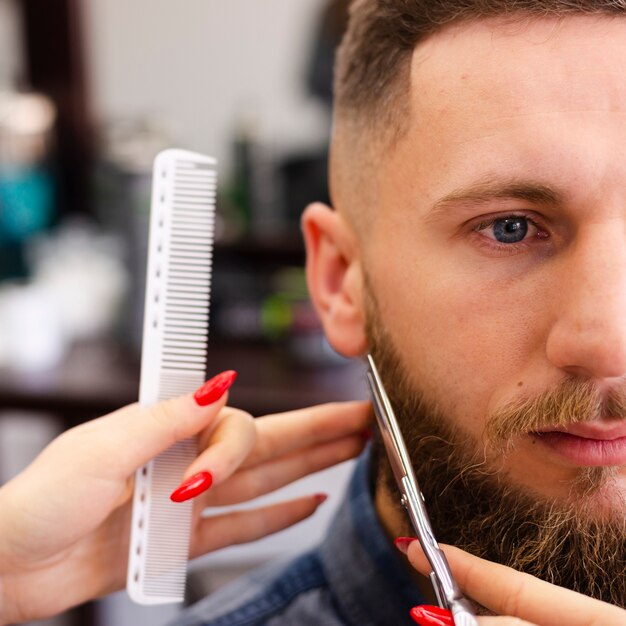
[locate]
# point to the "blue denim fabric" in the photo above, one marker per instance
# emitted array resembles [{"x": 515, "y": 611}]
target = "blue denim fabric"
[{"x": 355, "y": 578}]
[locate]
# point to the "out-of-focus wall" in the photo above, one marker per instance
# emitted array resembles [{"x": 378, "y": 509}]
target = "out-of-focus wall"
[
  {"x": 10, "y": 45},
  {"x": 204, "y": 62}
]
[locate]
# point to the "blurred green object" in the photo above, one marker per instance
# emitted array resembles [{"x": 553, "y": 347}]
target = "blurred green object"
[
  {"x": 277, "y": 315},
  {"x": 287, "y": 311}
]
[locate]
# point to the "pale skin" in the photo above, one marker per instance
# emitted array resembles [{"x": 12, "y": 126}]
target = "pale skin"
[
  {"x": 476, "y": 322},
  {"x": 65, "y": 521}
]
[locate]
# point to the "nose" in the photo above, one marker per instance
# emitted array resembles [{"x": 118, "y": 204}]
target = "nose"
[{"x": 588, "y": 336}]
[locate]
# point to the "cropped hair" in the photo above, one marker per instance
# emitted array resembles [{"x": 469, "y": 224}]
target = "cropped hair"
[{"x": 373, "y": 62}]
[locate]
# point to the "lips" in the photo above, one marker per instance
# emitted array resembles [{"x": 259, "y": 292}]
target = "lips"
[
  {"x": 601, "y": 430},
  {"x": 588, "y": 444}
]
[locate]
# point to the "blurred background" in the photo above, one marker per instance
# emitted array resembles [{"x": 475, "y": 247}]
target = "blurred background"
[{"x": 90, "y": 91}]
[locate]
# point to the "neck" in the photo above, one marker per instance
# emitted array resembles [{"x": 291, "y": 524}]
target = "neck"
[{"x": 395, "y": 522}]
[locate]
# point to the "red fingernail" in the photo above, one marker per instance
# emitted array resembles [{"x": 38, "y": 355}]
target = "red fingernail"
[
  {"x": 431, "y": 616},
  {"x": 192, "y": 487},
  {"x": 403, "y": 543},
  {"x": 367, "y": 434},
  {"x": 320, "y": 497},
  {"x": 215, "y": 388}
]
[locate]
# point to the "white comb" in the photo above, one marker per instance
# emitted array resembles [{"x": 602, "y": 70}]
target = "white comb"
[{"x": 173, "y": 363}]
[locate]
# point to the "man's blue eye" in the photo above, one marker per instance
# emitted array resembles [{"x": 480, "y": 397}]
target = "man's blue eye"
[{"x": 510, "y": 229}]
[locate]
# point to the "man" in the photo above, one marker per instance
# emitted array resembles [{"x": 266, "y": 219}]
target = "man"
[{"x": 477, "y": 247}]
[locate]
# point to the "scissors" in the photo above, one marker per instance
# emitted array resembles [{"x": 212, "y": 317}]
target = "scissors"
[{"x": 447, "y": 591}]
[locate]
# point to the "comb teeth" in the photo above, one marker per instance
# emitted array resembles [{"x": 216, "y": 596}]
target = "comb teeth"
[
  {"x": 174, "y": 360},
  {"x": 462, "y": 614},
  {"x": 166, "y": 552},
  {"x": 464, "y": 619}
]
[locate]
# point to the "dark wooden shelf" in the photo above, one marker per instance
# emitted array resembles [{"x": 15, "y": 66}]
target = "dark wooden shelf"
[
  {"x": 282, "y": 250},
  {"x": 94, "y": 379},
  {"x": 97, "y": 378}
]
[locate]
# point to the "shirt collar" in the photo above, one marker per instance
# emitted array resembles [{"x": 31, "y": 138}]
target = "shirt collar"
[{"x": 369, "y": 581}]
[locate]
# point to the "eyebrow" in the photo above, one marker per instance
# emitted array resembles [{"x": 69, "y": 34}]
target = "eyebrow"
[{"x": 494, "y": 189}]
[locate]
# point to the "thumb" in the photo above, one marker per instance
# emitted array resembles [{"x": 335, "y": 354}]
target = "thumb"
[{"x": 135, "y": 434}]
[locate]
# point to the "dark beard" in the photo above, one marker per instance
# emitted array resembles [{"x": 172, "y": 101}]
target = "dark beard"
[{"x": 472, "y": 505}]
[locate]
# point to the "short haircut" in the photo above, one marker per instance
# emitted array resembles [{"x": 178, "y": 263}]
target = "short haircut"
[{"x": 372, "y": 73}]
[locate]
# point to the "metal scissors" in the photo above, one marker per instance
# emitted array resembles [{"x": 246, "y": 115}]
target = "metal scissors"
[{"x": 448, "y": 594}]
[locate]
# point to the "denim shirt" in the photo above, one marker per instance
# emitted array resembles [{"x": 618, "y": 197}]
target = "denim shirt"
[{"x": 354, "y": 578}]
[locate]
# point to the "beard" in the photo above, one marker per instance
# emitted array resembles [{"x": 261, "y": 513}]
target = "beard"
[{"x": 473, "y": 505}]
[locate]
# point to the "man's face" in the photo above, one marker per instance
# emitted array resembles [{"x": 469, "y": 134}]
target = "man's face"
[{"x": 497, "y": 254}]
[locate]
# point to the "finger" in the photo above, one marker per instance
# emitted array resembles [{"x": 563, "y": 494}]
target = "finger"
[
  {"x": 503, "y": 621},
  {"x": 250, "y": 483},
  {"x": 506, "y": 591},
  {"x": 243, "y": 526},
  {"x": 285, "y": 432},
  {"x": 227, "y": 445},
  {"x": 144, "y": 432}
]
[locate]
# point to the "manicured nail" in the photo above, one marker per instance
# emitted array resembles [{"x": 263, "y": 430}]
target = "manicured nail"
[
  {"x": 320, "y": 498},
  {"x": 367, "y": 434},
  {"x": 431, "y": 616},
  {"x": 192, "y": 487},
  {"x": 403, "y": 543},
  {"x": 215, "y": 388}
]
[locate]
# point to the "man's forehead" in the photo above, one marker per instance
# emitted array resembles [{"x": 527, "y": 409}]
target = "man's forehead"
[
  {"x": 531, "y": 99},
  {"x": 519, "y": 65}
]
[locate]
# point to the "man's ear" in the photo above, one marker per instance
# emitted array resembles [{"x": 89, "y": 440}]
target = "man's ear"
[{"x": 335, "y": 278}]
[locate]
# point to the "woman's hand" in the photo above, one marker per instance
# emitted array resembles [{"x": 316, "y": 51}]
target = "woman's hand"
[
  {"x": 523, "y": 599},
  {"x": 65, "y": 520}
]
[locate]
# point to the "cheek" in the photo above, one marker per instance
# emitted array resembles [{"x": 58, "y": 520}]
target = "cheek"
[{"x": 465, "y": 335}]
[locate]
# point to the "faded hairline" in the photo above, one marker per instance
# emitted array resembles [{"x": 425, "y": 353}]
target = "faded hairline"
[{"x": 360, "y": 140}]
